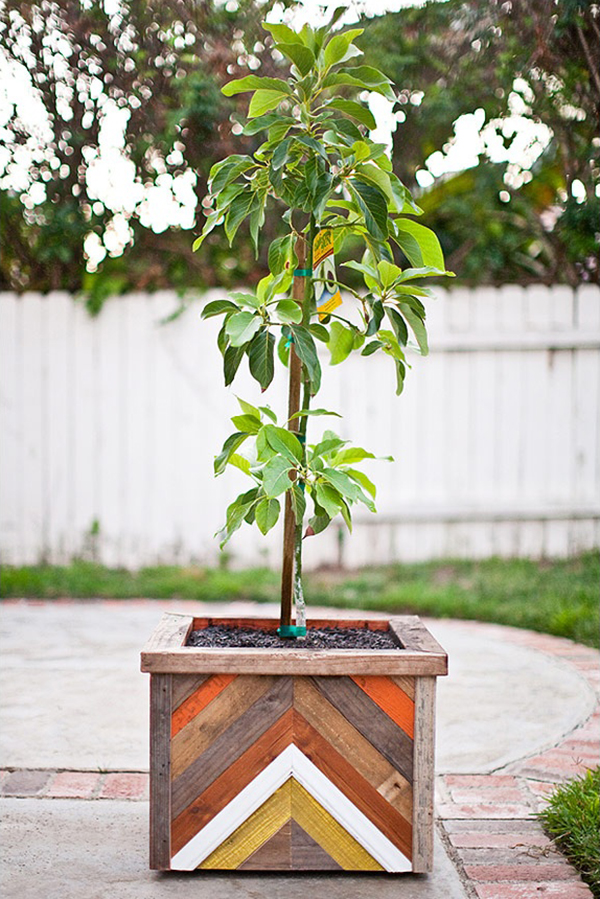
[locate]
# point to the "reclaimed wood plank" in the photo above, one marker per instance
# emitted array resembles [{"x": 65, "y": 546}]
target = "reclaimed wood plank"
[
  {"x": 306, "y": 854},
  {"x": 351, "y": 744},
  {"x": 356, "y": 788},
  {"x": 333, "y": 838},
  {"x": 229, "y": 705},
  {"x": 271, "y": 624},
  {"x": 171, "y": 633},
  {"x": 208, "y": 690},
  {"x": 183, "y": 686},
  {"x": 274, "y": 855},
  {"x": 219, "y": 753},
  {"x": 423, "y": 788},
  {"x": 390, "y": 698},
  {"x": 405, "y": 683},
  {"x": 414, "y": 636},
  {"x": 290, "y": 661},
  {"x": 160, "y": 774},
  {"x": 232, "y": 780},
  {"x": 366, "y": 716},
  {"x": 256, "y": 830}
]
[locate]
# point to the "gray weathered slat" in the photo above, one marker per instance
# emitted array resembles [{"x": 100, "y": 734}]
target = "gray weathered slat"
[
  {"x": 423, "y": 787},
  {"x": 160, "y": 772}
]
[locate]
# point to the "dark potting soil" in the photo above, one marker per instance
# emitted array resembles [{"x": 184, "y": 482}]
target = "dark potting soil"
[{"x": 220, "y": 636}]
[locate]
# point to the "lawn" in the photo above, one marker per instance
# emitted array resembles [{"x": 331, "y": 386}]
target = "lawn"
[{"x": 554, "y": 596}]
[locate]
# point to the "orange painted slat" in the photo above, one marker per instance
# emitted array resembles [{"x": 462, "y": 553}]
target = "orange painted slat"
[
  {"x": 390, "y": 698},
  {"x": 205, "y": 693}
]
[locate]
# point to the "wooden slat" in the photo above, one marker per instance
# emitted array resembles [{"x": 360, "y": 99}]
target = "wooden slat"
[
  {"x": 183, "y": 686},
  {"x": 230, "y": 744},
  {"x": 201, "y": 732},
  {"x": 423, "y": 790},
  {"x": 160, "y": 774},
  {"x": 256, "y": 830},
  {"x": 351, "y": 744},
  {"x": 231, "y": 781},
  {"x": 405, "y": 683},
  {"x": 202, "y": 696},
  {"x": 271, "y": 624},
  {"x": 366, "y": 716},
  {"x": 171, "y": 633},
  {"x": 307, "y": 855},
  {"x": 415, "y": 637},
  {"x": 390, "y": 698},
  {"x": 355, "y": 787},
  {"x": 331, "y": 836},
  {"x": 275, "y": 854}
]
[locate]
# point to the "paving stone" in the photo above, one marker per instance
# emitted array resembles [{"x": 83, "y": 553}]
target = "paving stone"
[
  {"x": 482, "y": 794},
  {"x": 542, "y": 890},
  {"x": 447, "y": 810},
  {"x": 519, "y": 841},
  {"x": 25, "y": 783},
  {"x": 478, "y": 780},
  {"x": 511, "y": 855},
  {"x": 125, "y": 786},
  {"x": 486, "y": 826},
  {"x": 73, "y": 785},
  {"x": 519, "y": 873}
]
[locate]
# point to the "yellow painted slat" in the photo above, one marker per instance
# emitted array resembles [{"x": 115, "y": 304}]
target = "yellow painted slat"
[
  {"x": 331, "y": 836},
  {"x": 254, "y": 832}
]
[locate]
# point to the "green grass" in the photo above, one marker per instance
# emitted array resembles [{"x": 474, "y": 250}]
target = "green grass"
[
  {"x": 572, "y": 820},
  {"x": 556, "y": 597}
]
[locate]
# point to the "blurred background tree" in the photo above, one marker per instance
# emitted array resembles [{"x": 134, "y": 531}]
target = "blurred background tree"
[{"x": 103, "y": 175}]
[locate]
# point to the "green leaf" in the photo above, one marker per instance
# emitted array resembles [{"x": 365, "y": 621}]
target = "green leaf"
[
  {"x": 330, "y": 442},
  {"x": 373, "y": 205},
  {"x": 425, "y": 272},
  {"x": 275, "y": 476},
  {"x": 237, "y": 165},
  {"x": 232, "y": 358},
  {"x": 361, "y": 113},
  {"x": 242, "y": 327},
  {"x": 351, "y": 455},
  {"x": 236, "y": 513},
  {"x": 298, "y": 503},
  {"x": 289, "y": 312},
  {"x": 304, "y": 345},
  {"x": 264, "y": 101},
  {"x": 361, "y": 478},
  {"x": 238, "y": 211},
  {"x": 305, "y": 412},
  {"x": 217, "y": 307},
  {"x": 417, "y": 327},
  {"x": 248, "y": 408},
  {"x": 261, "y": 357},
  {"x": 301, "y": 56},
  {"x": 269, "y": 413},
  {"x": 282, "y": 33},
  {"x": 371, "y": 348},
  {"x": 240, "y": 462},
  {"x": 266, "y": 514},
  {"x": 400, "y": 373},
  {"x": 284, "y": 442},
  {"x": 341, "y": 342},
  {"x": 336, "y": 49},
  {"x": 317, "y": 524},
  {"x": 249, "y": 423},
  {"x": 233, "y": 442},
  {"x": 388, "y": 272},
  {"x": 329, "y": 498},
  {"x": 320, "y": 332},
  {"x": 347, "y": 487},
  {"x": 428, "y": 251},
  {"x": 399, "y": 325},
  {"x": 255, "y": 82},
  {"x": 279, "y": 254},
  {"x": 261, "y": 123}
]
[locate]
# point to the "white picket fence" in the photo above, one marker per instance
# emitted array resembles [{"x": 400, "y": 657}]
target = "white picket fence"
[{"x": 109, "y": 426}]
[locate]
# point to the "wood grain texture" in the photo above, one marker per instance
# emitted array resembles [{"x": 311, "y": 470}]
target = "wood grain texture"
[
  {"x": 254, "y": 832},
  {"x": 208, "y": 690},
  {"x": 390, "y": 698},
  {"x": 274, "y": 855},
  {"x": 329, "y": 834},
  {"x": 232, "y": 780},
  {"x": 414, "y": 636},
  {"x": 351, "y": 744},
  {"x": 406, "y": 683},
  {"x": 307, "y": 855},
  {"x": 183, "y": 686},
  {"x": 230, "y": 744},
  {"x": 160, "y": 773},
  {"x": 356, "y": 788},
  {"x": 424, "y": 775},
  {"x": 366, "y": 716}
]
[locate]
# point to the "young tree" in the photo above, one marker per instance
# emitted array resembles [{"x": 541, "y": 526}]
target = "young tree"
[{"x": 332, "y": 185}]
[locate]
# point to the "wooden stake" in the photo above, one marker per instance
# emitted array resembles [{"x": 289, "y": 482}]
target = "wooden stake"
[{"x": 289, "y": 521}]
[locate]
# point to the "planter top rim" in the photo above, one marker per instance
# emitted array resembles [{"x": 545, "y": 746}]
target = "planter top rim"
[{"x": 419, "y": 653}]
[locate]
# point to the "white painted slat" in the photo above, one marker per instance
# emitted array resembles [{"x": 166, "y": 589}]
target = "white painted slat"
[{"x": 11, "y": 435}]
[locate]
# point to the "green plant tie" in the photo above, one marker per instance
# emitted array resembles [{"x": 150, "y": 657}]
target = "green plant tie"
[
  {"x": 303, "y": 272},
  {"x": 291, "y": 631}
]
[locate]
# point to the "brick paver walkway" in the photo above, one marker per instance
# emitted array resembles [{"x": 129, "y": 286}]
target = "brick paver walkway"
[{"x": 486, "y": 820}]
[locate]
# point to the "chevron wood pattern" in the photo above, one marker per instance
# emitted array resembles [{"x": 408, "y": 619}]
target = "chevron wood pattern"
[{"x": 279, "y": 771}]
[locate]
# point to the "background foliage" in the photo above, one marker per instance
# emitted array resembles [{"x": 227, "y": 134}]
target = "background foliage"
[{"x": 160, "y": 66}]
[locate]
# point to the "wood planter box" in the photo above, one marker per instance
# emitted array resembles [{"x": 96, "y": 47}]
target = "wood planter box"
[{"x": 292, "y": 759}]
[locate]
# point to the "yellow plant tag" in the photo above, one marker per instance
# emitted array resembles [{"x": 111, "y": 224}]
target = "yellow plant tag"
[
  {"x": 329, "y": 302},
  {"x": 322, "y": 246}
]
